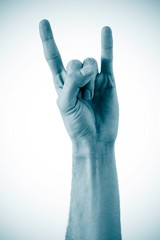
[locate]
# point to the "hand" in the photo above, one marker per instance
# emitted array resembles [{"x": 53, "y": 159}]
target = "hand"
[
  {"x": 89, "y": 107},
  {"x": 87, "y": 99}
]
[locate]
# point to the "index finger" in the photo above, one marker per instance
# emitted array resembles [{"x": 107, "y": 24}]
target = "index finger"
[
  {"x": 51, "y": 52},
  {"x": 106, "y": 50}
]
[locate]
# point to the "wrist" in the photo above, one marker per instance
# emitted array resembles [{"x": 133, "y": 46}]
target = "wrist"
[
  {"x": 91, "y": 148},
  {"x": 92, "y": 160}
]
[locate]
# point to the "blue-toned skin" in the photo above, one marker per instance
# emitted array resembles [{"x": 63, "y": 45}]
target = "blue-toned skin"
[{"x": 89, "y": 107}]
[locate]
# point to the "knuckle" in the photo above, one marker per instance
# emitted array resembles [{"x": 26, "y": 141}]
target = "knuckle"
[
  {"x": 90, "y": 61},
  {"x": 74, "y": 64}
]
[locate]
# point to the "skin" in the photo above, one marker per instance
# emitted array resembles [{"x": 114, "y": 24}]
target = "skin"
[{"x": 89, "y": 107}]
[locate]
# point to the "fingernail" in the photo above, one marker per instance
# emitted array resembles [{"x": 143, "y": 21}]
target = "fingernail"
[
  {"x": 87, "y": 95},
  {"x": 45, "y": 30},
  {"x": 86, "y": 71}
]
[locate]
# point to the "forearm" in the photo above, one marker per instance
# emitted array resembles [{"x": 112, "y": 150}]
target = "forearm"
[{"x": 94, "y": 207}]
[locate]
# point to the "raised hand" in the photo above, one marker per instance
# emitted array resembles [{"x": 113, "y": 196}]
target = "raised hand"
[
  {"x": 87, "y": 99},
  {"x": 88, "y": 103}
]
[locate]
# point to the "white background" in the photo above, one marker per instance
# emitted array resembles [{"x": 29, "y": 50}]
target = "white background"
[{"x": 35, "y": 150}]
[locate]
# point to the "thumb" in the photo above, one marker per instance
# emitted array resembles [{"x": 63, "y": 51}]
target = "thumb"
[{"x": 74, "y": 81}]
